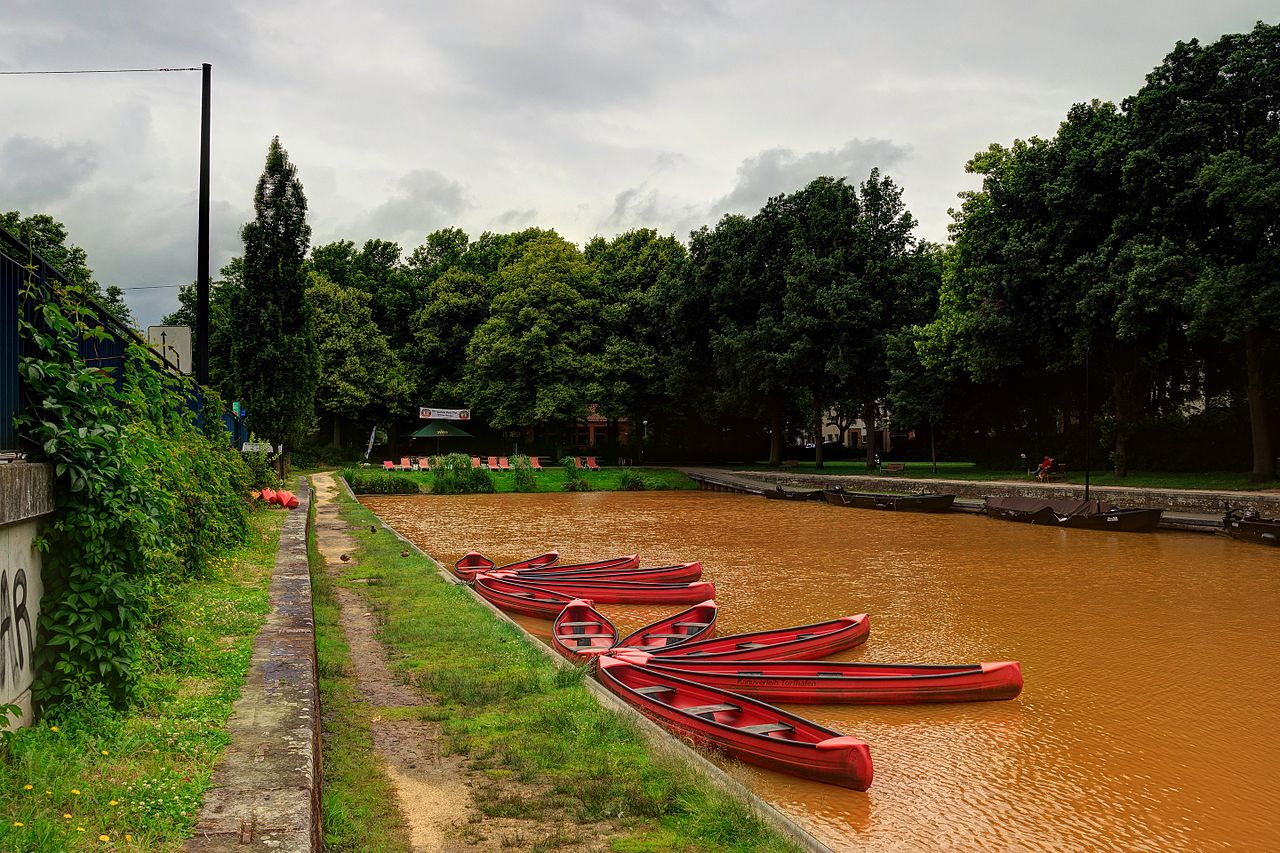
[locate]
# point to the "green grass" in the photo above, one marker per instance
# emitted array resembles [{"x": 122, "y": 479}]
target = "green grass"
[
  {"x": 358, "y": 801},
  {"x": 1211, "y": 480},
  {"x": 138, "y": 777},
  {"x": 514, "y": 715},
  {"x": 552, "y": 479}
]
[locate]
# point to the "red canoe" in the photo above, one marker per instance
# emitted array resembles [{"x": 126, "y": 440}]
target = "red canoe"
[
  {"x": 683, "y": 573},
  {"x": 696, "y": 623},
  {"x": 617, "y": 564},
  {"x": 581, "y": 632},
  {"x": 742, "y": 727},
  {"x": 473, "y": 562},
  {"x": 813, "y": 682},
  {"x": 804, "y": 642},
  {"x": 517, "y": 598},
  {"x": 618, "y": 592}
]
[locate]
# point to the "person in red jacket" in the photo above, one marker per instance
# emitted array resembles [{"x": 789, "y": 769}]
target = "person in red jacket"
[{"x": 1044, "y": 469}]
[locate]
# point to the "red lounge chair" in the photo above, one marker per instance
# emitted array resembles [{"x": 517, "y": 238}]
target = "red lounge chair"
[
  {"x": 534, "y": 463},
  {"x": 389, "y": 465},
  {"x": 504, "y": 463},
  {"x": 493, "y": 463},
  {"x": 424, "y": 463},
  {"x": 475, "y": 461},
  {"x": 581, "y": 462},
  {"x": 404, "y": 464},
  {"x": 592, "y": 465}
]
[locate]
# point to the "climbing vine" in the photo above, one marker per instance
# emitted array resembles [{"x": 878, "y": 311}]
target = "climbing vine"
[{"x": 143, "y": 497}]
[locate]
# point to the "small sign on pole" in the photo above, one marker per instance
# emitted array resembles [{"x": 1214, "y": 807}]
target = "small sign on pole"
[
  {"x": 444, "y": 414},
  {"x": 257, "y": 447},
  {"x": 173, "y": 343}
]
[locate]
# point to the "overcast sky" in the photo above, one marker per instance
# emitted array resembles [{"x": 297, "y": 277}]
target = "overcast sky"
[{"x": 587, "y": 117}]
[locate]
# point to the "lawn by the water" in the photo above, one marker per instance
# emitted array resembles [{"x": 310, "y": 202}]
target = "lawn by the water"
[{"x": 604, "y": 480}]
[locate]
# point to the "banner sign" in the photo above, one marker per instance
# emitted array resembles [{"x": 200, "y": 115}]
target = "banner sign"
[
  {"x": 256, "y": 447},
  {"x": 373, "y": 434},
  {"x": 444, "y": 414}
]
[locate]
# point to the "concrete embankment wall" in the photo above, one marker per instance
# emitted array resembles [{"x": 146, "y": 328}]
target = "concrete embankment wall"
[{"x": 26, "y": 496}]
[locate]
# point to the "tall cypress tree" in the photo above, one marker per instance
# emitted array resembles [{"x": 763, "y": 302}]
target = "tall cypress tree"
[{"x": 274, "y": 352}]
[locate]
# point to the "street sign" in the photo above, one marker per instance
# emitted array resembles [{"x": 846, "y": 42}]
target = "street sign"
[
  {"x": 444, "y": 414},
  {"x": 173, "y": 343},
  {"x": 235, "y": 408},
  {"x": 256, "y": 447}
]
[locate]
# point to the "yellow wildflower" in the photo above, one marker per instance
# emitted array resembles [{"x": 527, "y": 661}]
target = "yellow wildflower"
[
  {"x": 114, "y": 803},
  {"x": 75, "y": 791},
  {"x": 67, "y": 815},
  {"x": 128, "y": 837},
  {"x": 26, "y": 787},
  {"x": 18, "y": 823},
  {"x": 53, "y": 728},
  {"x": 104, "y": 837},
  {"x": 104, "y": 752},
  {"x": 79, "y": 829}
]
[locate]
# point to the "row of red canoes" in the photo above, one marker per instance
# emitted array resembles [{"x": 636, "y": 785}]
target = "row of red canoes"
[
  {"x": 714, "y": 690},
  {"x": 288, "y": 500}
]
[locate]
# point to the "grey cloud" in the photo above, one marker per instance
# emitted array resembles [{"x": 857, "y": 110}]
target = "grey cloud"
[
  {"x": 423, "y": 201},
  {"x": 512, "y": 219},
  {"x": 782, "y": 170},
  {"x": 35, "y": 173}
]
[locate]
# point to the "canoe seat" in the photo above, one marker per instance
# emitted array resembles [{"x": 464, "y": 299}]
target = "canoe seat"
[
  {"x": 751, "y": 645},
  {"x": 585, "y": 639},
  {"x": 656, "y": 688},
  {"x": 766, "y": 728},
  {"x": 703, "y": 710},
  {"x": 578, "y": 624},
  {"x": 668, "y": 636},
  {"x": 805, "y": 636},
  {"x": 831, "y": 675},
  {"x": 751, "y": 672},
  {"x": 691, "y": 624}
]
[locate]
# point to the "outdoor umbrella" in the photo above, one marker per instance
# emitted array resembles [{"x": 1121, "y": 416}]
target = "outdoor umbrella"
[{"x": 439, "y": 430}]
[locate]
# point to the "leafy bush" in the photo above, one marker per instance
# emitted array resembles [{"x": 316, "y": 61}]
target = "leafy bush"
[
  {"x": 262, "y": 468},
  {"x": 375, "y": 481},
  {"x": 143, "y": 497},
  {"x": 574, "y": 481},
  {"x": 525, "y": 479},
  {"x": 453, "y": 475},
  {"x": 631, "y": 481}
]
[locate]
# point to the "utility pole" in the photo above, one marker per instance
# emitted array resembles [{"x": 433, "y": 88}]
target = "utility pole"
[{"x": 202, "y": 239}]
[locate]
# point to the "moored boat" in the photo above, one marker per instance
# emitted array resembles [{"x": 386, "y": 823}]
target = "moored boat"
[
  {"x": 1248, "y": 526},
  {"x": 581, "y": 632},
  {"x": 618, "y": 592},
  {"x": 804, "y": 642},
  {"x": 813, "y": 682},
  {"x": 696, "y": 623},
  {"x": 745, "y": 728},
  {"x": 518, "y": 598},
  {"x": 893, "y": 503},
  {"x": 1076, "y": 514},
  {"x": 630, "y": 561},
  {"x": 473, "y": 562},
  {"x": 781, "y": 494},
  {"x": 681, "y": 573}
]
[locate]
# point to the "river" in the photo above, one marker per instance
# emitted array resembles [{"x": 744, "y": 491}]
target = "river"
[{"x": 1151, "y": 709}]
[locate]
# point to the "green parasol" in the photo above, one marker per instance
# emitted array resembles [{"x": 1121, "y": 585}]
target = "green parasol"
[{"x": 439, "y": 430}]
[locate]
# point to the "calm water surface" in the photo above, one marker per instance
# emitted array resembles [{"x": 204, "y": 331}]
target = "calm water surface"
[{"x": 1150, "y": 719}]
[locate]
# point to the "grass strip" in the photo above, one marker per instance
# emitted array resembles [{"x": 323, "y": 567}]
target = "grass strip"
[
  {"x": 88, "y": 777},
  {"x": 1226, "y": 481},
  {"x": 552, "y": 479},
  {"x": 358, "y": 801},
  {"x": 516, "y": 716}
]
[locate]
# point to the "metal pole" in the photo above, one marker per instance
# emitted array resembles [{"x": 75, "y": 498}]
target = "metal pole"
[{"x": 202, "y": 240}]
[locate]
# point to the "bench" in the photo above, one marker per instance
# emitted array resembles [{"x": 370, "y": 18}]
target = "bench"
[
  {"x": 577, "y": 624},
  {"x": 691, "y": 624},
  {"x": 668, "y": 636},
  {"x": 751, "y": 645},
  {"x": 655, "y": 689},
  {"x": 704, "y": 710},
  {"x": 893, "y": 467},
  {"x": 766, "y": 728}
]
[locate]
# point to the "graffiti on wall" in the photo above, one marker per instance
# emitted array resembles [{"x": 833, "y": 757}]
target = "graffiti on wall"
[{"x": 17, "y": 635}]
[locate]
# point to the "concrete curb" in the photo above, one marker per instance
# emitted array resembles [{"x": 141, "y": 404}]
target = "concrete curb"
[
  {"x": 655, "y": 735},
  {"x": 265, "y": 790}
]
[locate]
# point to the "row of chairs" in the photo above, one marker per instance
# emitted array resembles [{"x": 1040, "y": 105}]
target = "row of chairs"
[{"x": 494, "y": 463}]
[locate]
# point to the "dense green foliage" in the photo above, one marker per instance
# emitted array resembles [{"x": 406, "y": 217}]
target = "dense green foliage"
[
  {"x": 574, "y": 478},
  {"x": 137, "y": 776},
  {"x": 522, "y": 474},
  {"x": 454, "y": 475},
  {"x": 144, "y": 499},
  {"x": 273, "y": 359},
  {"x": 375, "y": 481}
]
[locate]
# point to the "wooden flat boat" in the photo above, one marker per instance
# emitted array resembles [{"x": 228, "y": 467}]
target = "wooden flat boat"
[
  {"x": 781, "y": 494},
  {"x": 814, "y": 682},
  {"x": 1076, "y": 514},
  {"x": 518, "y": 598},
  {"x": 581, "y": 632},
  {"x": 620, "y": 592},
  {"x": 804, "y": 642},
  {"x": 682, "y": 573},
  {"x": 893, "y": 503},
  {"x": 630, "y": 561},
  {"x": 696, "y": 623},
  {"x": 473, "y": 562},
  {"x": 1248, "y": 526},
  {"x": 746, "y": 729}
]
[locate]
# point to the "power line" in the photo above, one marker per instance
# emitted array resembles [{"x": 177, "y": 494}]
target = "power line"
[
  {"x": 154, "y": 286},
  {"x": 99, "y": 71}
]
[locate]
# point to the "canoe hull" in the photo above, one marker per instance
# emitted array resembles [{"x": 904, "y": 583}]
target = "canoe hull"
[
  {"x": 1262, "y": 531},
  {"x": 631, "y": 561},
  {"x": 543, "y": 604},
  {"x": 581, "y": 633},
  {"x": 823, "y": 682},
  {"x": 474, "y": 562},
  {"x": 891, "y": 503},
  {"x": 811, "y": 751},
  {"x": 696, "y": 623},
  {"x": 682, "y": 573},
  {"x": 618, "y": 592},
  {"x": 801, "y": 643},
  {"x": 784, "y": 495}
]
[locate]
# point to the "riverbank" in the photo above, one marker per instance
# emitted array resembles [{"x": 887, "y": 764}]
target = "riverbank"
[
  {"x": 543, "y": 764},
  {"x": 82, "y": 778},
  {"x": 551, "y": 479}
]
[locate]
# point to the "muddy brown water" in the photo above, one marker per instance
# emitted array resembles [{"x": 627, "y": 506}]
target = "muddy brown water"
[{"x": 1150, "y": 719}]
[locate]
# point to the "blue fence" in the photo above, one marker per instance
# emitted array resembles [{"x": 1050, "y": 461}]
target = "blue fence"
[{"x": 19, "y": 265}]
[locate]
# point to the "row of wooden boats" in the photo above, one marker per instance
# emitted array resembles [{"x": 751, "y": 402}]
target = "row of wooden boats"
[
  {"x": 1238, "y": 523},
  {"x": 715, "y": 691}
]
